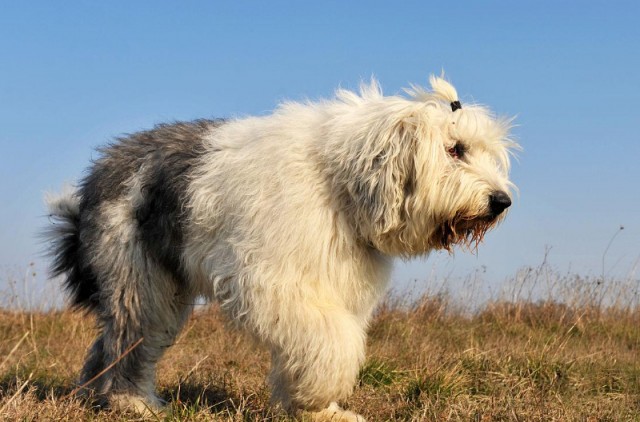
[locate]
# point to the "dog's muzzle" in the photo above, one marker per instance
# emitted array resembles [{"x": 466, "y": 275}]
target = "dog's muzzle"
[{"x": 498, "y": 202}]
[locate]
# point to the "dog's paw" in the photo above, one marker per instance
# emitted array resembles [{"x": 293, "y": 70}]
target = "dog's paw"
[
  {"x": 149, "y": 406},
  {"x": 335, "y": 413}
]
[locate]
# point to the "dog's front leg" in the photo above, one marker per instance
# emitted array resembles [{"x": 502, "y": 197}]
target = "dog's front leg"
[{"x": 316, "y": 359}]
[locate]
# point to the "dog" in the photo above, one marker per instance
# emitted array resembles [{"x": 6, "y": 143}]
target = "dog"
[{"x": 290, "y": 221}]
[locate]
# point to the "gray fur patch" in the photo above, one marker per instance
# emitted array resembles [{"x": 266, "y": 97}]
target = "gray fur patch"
[{"x": 161, "y": 160}]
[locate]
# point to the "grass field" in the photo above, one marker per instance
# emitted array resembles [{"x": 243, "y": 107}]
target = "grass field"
[{"x": 548, "y": 347}]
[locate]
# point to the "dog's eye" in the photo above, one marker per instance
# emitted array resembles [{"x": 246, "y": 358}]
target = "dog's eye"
[{"x": 457, "y": 151}]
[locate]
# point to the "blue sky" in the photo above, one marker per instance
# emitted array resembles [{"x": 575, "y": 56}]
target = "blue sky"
[{"x": 75, "y": 74}]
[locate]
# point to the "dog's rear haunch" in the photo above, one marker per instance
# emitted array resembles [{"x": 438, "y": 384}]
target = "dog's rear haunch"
[{"x": 290, "y": 221}]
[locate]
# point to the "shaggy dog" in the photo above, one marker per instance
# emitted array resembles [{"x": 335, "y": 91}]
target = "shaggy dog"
[{"x": 290, "y": 221}]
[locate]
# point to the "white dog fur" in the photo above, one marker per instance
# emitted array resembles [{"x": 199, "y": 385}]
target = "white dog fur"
[{"x": 290, "y": 221}]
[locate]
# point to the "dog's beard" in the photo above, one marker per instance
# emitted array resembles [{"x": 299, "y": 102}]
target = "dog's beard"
[{"x": 464, "y": 231}]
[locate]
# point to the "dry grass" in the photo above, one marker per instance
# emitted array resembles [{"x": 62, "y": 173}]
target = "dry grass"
[{"x": 521, "y": 357}]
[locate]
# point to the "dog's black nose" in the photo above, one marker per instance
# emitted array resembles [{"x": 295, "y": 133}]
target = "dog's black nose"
[{"x": 498, "y": 202}]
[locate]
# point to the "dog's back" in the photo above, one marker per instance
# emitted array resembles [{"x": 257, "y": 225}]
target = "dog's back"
[{"x": 148, "y": 172}]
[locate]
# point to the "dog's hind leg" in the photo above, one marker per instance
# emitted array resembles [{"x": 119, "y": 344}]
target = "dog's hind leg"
[
  {"x": 138, "y": 325},
  {"x": 141, "y": 309},
  {"x": 91, "y": 379}
]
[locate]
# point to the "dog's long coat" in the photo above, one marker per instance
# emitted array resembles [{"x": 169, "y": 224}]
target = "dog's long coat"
[{"x": 290, "y": 221}]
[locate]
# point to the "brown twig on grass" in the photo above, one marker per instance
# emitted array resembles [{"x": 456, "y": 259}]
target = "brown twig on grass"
[{"x": 99, "y": 374}]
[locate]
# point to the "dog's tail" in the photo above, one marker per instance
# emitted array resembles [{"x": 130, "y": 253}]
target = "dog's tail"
[{"x": 64, "y": 248}]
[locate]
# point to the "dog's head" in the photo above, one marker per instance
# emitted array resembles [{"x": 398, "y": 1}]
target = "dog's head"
[{"x": 423, "y": 172}]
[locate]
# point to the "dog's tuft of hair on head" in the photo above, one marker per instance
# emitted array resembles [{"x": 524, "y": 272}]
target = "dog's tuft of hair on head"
[{"x": 440, "y": 90}]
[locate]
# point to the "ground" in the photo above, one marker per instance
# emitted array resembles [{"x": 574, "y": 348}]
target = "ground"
[{"x": 429, "y": 359}]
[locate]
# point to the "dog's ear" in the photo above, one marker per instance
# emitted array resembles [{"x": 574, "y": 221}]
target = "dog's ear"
[{"x": 384, "y": 180}]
